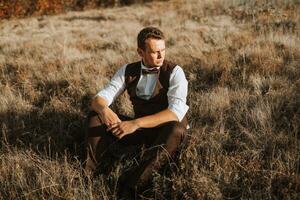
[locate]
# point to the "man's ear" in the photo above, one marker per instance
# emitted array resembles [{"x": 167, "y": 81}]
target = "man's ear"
[{"x": 140, "y": 52}]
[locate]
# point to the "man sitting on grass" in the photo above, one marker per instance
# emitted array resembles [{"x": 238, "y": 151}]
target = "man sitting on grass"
[{"x": 158, "y": 91}]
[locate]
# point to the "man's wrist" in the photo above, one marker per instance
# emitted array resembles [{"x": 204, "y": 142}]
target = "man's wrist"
[
  {"x": 137, "y": 123},
  {"x": 102, "y": 109}
]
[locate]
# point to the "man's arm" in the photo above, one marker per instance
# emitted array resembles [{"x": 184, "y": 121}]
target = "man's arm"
[
  {"x": 106, "y": 115},
  {"x": 127, "y": 127},
  {"x": 98, "y": 104},
  {"x": 156, "y": 119},
  {"x": 105, "y": 97}
]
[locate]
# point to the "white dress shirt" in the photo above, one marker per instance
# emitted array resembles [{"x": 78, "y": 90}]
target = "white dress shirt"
[{"x": 176, "y": 94}]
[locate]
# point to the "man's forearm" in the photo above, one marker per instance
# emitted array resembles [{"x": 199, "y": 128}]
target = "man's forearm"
[
  {"x": 105, "y": 114},
  {"x": 156, "y": 119},
  {"x": 98, "y": 104}
]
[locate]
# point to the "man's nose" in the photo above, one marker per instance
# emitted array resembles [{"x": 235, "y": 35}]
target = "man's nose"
[{"x": 159, "y": 55}]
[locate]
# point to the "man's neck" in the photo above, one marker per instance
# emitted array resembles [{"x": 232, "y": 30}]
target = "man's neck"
[
  {"x": 148, "y": 66},
  {"x": 143, "y": 63}
]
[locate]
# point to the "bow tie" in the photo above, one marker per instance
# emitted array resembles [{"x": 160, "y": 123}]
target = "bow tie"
[{"x": 153, "y": 70}]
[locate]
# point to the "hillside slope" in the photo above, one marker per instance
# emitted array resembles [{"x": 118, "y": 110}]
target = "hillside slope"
[{"x": 242, "y": 60}]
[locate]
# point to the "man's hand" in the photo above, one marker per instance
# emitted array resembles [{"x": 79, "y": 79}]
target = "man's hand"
[
  {"x": 123, "y": 128},
  {"x": 108, "y": 117}
]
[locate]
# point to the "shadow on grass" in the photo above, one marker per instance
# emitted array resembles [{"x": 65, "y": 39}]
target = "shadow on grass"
[
  {"x": 49, "y": 129},
  {"x": 50, "y": 133}
]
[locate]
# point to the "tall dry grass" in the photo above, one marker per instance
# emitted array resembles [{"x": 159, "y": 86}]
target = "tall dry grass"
[{"x": 242, "y": 61}]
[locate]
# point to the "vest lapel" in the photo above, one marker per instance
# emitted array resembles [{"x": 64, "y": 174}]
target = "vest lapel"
[{"x": 157, "y": 87}]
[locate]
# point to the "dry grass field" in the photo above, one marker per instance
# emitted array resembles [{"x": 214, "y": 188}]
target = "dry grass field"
[{"x": 242, "y": 60}]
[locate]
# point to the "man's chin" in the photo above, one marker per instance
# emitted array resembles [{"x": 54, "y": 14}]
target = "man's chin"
[{"x": 159, "y": 64}]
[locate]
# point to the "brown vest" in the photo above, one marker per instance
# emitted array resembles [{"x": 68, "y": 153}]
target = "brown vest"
[{"x": 159, "y": 98}]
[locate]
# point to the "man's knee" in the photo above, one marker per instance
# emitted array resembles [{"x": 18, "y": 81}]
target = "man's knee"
[
  {"x": 94, "y": 121},
  {"x": 176, "y": 129}
]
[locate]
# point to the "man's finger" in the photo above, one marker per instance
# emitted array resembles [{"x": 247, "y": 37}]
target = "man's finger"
[
  {"x": 116, "y": 122},
  {"x": 118, "y": 133},
  {"x": 121, "y": 135},
  {"x": 112, "y": 126},
  {"x": 114, "y": 130}
]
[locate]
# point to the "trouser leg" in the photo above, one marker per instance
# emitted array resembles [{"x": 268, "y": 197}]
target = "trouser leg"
[
  {"x": 99, "y": 160},
  {"x": 168, "y": 137},
  {"x": 97, "y": 142}
]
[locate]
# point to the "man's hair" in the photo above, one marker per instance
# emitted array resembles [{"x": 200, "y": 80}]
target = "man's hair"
[{"x": 149, "y": 32}]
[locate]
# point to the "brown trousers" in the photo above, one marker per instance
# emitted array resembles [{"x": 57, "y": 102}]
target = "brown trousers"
[{"x": 161, "y": 144}]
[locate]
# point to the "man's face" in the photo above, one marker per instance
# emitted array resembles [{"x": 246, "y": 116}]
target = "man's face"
[{"x": 154, "y": 53}]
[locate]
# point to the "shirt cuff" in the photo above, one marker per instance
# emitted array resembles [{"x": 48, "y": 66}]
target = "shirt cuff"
[{"x": 179, "y": 109}]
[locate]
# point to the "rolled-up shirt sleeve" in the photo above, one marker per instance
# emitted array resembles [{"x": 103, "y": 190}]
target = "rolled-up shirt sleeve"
[
  {"x": 177, "y": 93},
  {"x": 115, "y": 87}
]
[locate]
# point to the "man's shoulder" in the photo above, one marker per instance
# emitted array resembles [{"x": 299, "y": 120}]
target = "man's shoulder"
[
  {"x": 133, "y": 68},
  {"x": 134, "y": 64},
  {"x": 132, "y": 72},
  {"x": 168, "y": 66}
]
